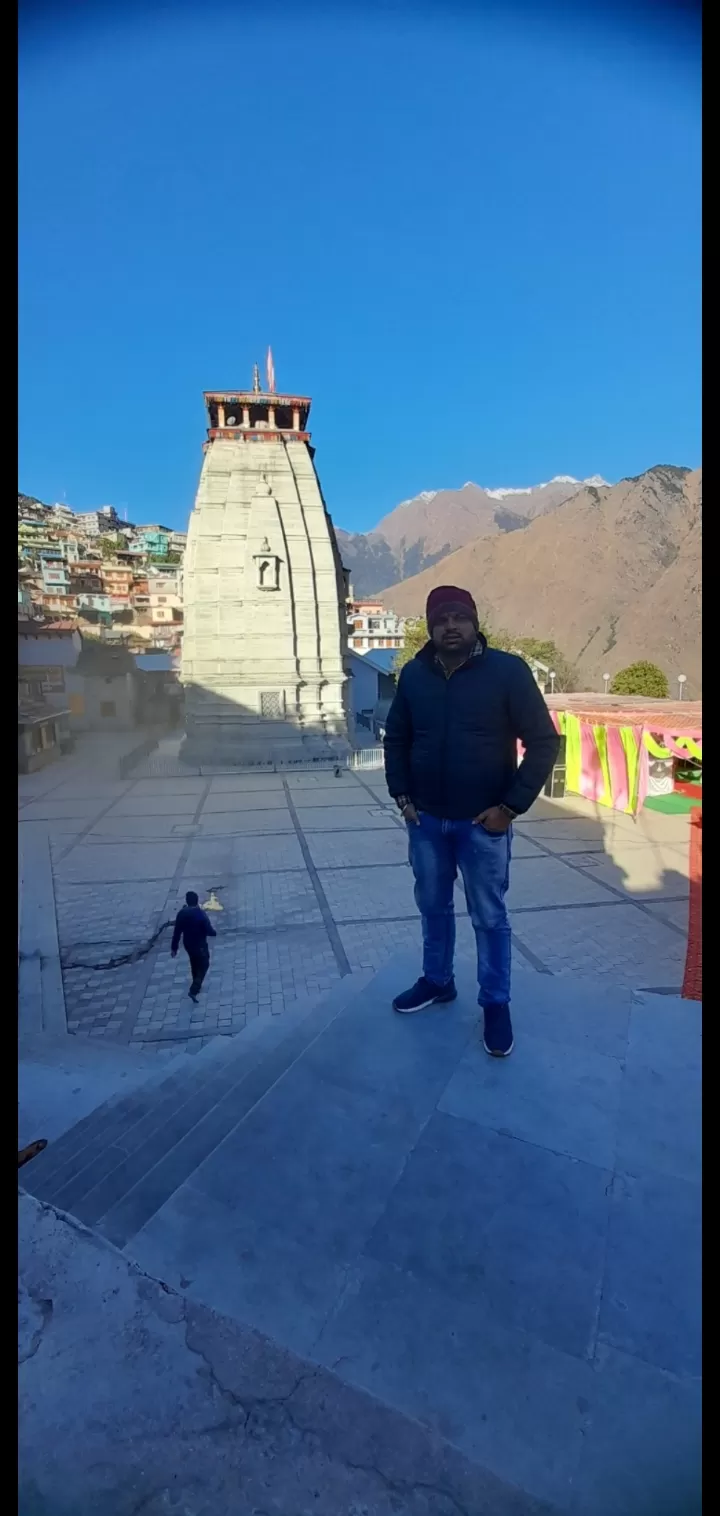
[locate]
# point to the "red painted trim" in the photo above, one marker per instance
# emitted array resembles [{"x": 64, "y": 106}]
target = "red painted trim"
[{"x": 233, "y": 433}]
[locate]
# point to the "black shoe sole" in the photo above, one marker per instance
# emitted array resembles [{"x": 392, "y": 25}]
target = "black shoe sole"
[{"x": 411, "y": 1010}]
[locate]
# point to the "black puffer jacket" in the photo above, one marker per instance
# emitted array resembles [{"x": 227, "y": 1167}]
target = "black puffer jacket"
[{"x": 451, "y": 743}]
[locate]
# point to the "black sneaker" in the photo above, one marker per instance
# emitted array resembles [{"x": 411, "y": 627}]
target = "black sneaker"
[
  {"x": 192, "y": 997},
  {"x": 498, "y": 1032},
  {"x": 423, "y": 994}
]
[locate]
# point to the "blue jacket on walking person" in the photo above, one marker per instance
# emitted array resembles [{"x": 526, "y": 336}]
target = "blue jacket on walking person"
[{"x": 194, "y": 927}]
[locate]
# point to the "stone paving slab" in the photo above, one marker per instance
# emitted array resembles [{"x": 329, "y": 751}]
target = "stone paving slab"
[
  {"x": 80, "y": 809},
  {"x": 240, "y": 856},
  {"x": 584, "y": 1128},
  {"x": 645, "y": 874},
  {"x": 342, "y": 793},
  {"x": 277, "y": 898},
  {"x": 357, "y": 817},
  {"x": 228, "y": 802},
  {"x": 560, "y": 885},
  {"x": 195, "y": 1413},
  {"x": 86, "y": 913},
  {"x": 114, "y": 863},
  {"x": 144, "y": 830},
  {"x": 426, "y": 1255},
  {"x": 246, "y": 784},
  {"x": 254, "y": 822},
  {"x": 492, "y": 1248},
  {"x": 343, "y": 850},
  {"x": 610, "y": 942}
]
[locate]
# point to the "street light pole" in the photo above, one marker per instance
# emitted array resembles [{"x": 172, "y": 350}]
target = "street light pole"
[
  {"x": 682, "y": 680},
  {"x": 552, "y": 677},
  {"x": 606, "y": 682}
]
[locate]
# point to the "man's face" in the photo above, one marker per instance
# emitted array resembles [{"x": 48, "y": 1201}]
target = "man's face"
[{"x": 454, "y": 632}]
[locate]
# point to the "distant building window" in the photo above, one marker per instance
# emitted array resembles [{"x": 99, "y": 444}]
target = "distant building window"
[
  {"x": 50, "y": 680},
  {"x": 357, "y": 642},
  {"x": 271, "y": 704},
  {"x": 107, "y": 708}
]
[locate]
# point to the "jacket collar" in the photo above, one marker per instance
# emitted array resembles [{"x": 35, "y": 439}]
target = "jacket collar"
[{"x": 429, "y": 656}]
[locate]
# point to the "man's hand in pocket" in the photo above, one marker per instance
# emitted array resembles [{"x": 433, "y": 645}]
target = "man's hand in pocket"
[{"x": 493, "y": 820}]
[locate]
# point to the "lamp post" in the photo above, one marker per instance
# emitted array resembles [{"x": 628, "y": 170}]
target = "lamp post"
[
  {"x": 606, "y": 682},
  {"x": 551, "y": 677},
  {"x": 682, "y": 681}
]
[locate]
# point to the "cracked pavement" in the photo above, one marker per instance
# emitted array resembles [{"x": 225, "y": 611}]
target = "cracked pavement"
[{"x": 135, "y": 1402}]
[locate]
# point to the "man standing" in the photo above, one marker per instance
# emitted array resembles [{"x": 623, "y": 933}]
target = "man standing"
[
  {"x": 451, "y": 765},
  {"x": 194, "y": 927}
]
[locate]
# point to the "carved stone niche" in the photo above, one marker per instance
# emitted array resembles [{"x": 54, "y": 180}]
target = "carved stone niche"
[{"x": 267, "y": 568}]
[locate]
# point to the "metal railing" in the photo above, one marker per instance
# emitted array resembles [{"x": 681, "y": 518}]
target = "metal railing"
[{"x": 366, "y": 758}]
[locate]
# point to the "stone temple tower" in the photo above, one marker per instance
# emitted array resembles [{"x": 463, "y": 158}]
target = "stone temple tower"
[{"x": 264, "y": 591}]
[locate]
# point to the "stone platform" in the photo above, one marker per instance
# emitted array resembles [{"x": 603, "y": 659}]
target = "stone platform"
[{"x": 503, "y": 1255}]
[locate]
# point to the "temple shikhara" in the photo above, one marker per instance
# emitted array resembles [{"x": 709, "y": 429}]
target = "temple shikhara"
[{"x": 265, "y": 592}]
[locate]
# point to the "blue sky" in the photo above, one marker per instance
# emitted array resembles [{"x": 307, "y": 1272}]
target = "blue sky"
[{"x": 470, "y": 233}]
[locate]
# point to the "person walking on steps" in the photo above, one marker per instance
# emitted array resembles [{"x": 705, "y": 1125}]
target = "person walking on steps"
[
  {"x": 451, "y": 740},
  {"x": 192, "y": 924}
]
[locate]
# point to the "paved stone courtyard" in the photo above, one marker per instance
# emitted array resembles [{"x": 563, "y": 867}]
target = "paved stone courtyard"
[
  {"x": 311, "y": 871},
  {"x": 489, "y": 1271}
]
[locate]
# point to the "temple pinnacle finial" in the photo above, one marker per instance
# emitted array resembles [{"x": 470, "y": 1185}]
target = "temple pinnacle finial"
[{"x": 256, "y": 379}]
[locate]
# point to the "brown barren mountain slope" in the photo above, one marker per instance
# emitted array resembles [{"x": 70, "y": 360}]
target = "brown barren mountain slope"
[
  {"x": 612, "y": 575},
  {"x": 420, "y": 531}
]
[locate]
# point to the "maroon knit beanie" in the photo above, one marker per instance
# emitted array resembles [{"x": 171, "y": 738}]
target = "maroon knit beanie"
[{"x": 448, "y": 597}]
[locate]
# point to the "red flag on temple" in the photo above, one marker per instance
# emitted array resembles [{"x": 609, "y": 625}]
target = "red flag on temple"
[{"x": 270, "y": 372}]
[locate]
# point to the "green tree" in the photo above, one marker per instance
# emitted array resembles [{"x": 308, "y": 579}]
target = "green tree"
[
  {"x": 111, "y": 546},
  {"x": 416, "y": 635},
  {"x": 160, "y": 558},
  {"x": 641, "y": 679},
  {"x": 545, "y": 651}
]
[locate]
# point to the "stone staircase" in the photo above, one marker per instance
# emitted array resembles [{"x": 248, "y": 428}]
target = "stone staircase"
[
  {"x": 115, "y": 1168},
  {"x": 506, "y": 1253}
]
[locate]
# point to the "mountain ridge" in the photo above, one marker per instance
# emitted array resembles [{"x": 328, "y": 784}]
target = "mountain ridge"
[
  {"x": 611, "y": 574},
  {"x": 428, "y": 526}
]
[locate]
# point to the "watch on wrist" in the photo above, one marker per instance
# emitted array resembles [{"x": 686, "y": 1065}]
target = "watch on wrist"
[
  {"x": 402, "y": 801},
  {"x": 507, "y": 812}
]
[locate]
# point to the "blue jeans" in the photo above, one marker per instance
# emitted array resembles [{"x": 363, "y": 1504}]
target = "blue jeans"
[{"x": 437, "y": 850}]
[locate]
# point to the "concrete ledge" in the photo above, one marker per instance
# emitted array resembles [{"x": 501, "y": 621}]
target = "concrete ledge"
[{"x": 41, "y": 998}]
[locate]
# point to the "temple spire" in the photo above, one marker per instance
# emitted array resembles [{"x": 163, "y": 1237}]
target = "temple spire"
[{"x": 256, "y": 379}]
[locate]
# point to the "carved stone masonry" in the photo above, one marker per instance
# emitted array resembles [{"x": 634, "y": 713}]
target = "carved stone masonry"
[{"x": 265, "y": 622}]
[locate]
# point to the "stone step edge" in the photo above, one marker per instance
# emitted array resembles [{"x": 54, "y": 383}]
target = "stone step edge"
[{"x": 247, "y": 1049}]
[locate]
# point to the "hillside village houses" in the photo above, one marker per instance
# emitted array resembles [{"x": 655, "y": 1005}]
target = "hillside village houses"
[
  {"x": 99, "y": 626},
  {"x": 94, "y": 570},
  {"x": 100, "y": 623}
]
